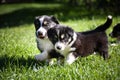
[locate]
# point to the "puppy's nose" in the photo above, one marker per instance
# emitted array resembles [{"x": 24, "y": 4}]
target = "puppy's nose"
[
  {"x": 39, "y": 33},
  {"x": 58, "y": 47}
]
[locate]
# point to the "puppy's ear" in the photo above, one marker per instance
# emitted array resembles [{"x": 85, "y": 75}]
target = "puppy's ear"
[
  {"x": 55, "y": 19},
  {"x": 70, "y": 31},
  {"x": 37, "y": 17},
  {"x": 36, "y": 22},
  {"x": 51, "y": 32}
]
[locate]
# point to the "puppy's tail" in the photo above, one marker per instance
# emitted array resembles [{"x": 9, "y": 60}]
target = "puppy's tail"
[{"x": 106, "y": 25}]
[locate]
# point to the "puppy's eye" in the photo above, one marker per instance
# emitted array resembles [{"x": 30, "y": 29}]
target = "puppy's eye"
[
  {"x": 62, "y": 36},
  {"x": 45, "y": 23}
]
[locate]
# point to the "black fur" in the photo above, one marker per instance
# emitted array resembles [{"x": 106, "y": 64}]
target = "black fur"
[
  {"x": 116, "y": 32},
  {"x": 87, "y": 42}
]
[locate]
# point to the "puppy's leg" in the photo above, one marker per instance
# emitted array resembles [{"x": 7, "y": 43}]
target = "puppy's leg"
[
  {"x": 70, "y": 58},
  {"x": 42, "y": 56},
  {"x": 104, "y": 53},
  {"x": 103, "y": 49}
]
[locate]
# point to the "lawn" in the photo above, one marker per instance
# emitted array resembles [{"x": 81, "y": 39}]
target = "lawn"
[{"x": 18, "y": 46}]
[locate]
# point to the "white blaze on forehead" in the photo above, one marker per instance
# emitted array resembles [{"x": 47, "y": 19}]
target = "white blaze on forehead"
[{"x": 41, "y": 20}]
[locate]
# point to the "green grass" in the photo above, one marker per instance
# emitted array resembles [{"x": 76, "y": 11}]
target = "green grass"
[{"x": 18, "y": 46}]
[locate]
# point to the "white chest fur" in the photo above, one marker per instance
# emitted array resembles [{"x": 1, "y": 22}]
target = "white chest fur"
[{"x": 44, "y": 44}]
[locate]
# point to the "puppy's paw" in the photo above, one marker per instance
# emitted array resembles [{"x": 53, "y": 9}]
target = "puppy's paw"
[
  {"x": 39, "y": 57},
  {"x": 42, "y": 56},
  {"x": 36, "y": 57},
  {"x": 69, "y": 62}
]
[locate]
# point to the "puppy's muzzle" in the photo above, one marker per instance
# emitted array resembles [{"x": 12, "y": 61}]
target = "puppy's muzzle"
[
  {"x": 59, "y": 46},
  {"x": 40, "y": 35}
]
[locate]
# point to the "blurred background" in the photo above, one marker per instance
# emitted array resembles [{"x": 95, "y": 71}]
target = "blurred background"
[
  {"x": 18, "y": 44},
  {"x": 12, "y": 12}
]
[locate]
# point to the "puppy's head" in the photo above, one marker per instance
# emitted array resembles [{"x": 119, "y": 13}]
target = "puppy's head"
[
  {"x": 116, "y": 31},
  {"x": 61, "y": 37},
  {"x": 43, "y": 23}
]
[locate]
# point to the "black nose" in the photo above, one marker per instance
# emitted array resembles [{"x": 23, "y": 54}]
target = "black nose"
[
  {"x": 40, "y": 33},
  {"x": 58, "y": 47}
]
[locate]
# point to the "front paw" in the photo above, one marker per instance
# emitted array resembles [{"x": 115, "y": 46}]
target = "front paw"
[
  {"x": 39, "y": 57},
  {"x": 42, "y": 56}
]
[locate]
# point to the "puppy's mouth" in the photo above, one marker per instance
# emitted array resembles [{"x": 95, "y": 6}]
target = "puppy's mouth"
[{"x": 41, "y": 36}]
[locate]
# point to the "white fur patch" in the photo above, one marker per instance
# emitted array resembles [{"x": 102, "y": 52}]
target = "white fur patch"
[
  {"x": 41, "y": 20},
  {"x": 109, "y": 16},
  {"x": 74, "y": 39},
  {"x": 44, "y": 44},
  {"x": 70, "y": 58},
  {"x": 42, "y": 56}
]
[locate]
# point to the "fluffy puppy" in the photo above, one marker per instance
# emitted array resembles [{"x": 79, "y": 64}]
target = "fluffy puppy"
[
  {"x": 72, "y": 44},
  {"x": 116, "y": 32},
  {"x": 42, "y": 25}
]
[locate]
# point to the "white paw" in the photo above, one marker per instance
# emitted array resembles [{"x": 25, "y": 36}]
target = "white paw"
[
  {"x": 70, "y": 58},
  {"x": 38, "y": 57},
  {"x": 69, "y": 62},
  {"x": 41, "y": 56}
]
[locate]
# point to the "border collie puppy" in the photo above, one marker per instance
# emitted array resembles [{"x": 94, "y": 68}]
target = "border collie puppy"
[
  {"x": 72, "y": 44},
  {"x": 42, "y": 25},
  {"x": 116, "y": 32}
]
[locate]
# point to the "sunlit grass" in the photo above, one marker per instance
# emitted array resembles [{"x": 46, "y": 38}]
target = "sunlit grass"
[{"x": 18, "y": 47}]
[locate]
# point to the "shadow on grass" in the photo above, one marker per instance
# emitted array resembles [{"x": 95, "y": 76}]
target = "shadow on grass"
[
  {"x": 10, "y": 62},
  {"x": 63, "y": 13}
]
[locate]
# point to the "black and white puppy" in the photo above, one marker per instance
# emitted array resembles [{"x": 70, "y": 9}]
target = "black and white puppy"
[
  {"x": 42, "y": 25},
  {"x": 116, "y": 32},
  {"x": 72, "y": 44}
]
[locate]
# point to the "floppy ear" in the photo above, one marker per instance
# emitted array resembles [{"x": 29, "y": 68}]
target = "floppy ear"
[
  {"x": 55, "y": 19},
  {"x": 37, "y": 17},
  {"x": 36, "y": 22},
  {"x": 70, "y": 31},
  {"x": 51, "y": 32}
]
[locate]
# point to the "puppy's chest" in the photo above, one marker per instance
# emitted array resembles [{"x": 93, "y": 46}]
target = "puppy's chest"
[
  {"x": 67, "y": 50},
  {"x": 44, "y": 44}
]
